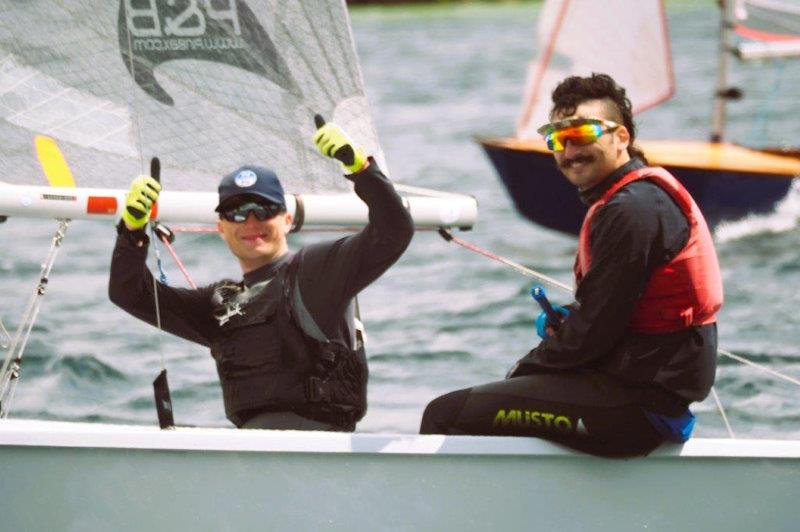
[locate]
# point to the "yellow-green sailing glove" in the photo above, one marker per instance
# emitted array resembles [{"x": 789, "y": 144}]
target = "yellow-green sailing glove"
[
  {"x": 139, "y": 201},
  {"x": 333, "y": 142}
]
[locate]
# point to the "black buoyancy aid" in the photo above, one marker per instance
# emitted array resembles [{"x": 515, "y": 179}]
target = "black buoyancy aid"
[
  {"x": 687, "y": 291},
  {"x": 269, "y": 359}
]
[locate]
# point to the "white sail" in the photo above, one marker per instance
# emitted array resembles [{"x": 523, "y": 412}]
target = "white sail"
[
  {"x": 628, "y": 40},
  {"x": 205, "y": 85},
  {"x": 767, "y": 28}
]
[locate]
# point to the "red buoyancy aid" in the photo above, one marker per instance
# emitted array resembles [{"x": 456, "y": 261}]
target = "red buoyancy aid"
[{"x": 685, "y": 292}]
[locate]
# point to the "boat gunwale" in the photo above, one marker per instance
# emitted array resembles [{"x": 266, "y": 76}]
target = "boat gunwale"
[
  {"x": 37, "y": 433},
  {"x": 662, "y": 153}
]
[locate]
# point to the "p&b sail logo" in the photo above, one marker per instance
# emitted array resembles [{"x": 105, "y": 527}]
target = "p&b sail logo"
[{"x": 152, "y": 32}]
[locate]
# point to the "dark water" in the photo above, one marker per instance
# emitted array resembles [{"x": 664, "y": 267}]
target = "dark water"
[{"x": 442, "y": 318}]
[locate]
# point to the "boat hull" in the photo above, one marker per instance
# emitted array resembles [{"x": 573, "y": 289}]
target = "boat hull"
[
  {"x": 75, "y": 476},
  {"x": 723, "y": 192}
]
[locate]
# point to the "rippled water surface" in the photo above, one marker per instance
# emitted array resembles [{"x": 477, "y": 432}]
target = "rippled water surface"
[{"x": 442, "y": 318}]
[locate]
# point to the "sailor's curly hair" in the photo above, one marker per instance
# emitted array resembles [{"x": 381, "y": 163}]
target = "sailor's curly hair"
[{"x": 575, "y": 90}]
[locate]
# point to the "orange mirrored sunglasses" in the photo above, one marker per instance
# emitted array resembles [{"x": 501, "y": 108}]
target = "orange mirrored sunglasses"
[{"x": 580, "y": 131}]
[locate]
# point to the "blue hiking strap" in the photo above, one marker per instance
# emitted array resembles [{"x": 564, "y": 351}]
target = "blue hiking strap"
[{"x": 673, "y": 429}]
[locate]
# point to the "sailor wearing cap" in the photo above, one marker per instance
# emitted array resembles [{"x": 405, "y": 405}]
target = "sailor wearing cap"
[{"x": 285, "y": 339}]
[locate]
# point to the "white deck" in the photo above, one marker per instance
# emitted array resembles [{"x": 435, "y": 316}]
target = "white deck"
[
  {"x": 80, "y": 476},
  {"x": 24, "y": 432}
]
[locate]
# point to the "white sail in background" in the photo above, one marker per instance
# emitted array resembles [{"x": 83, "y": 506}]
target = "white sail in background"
[
  {"x": 206, "y": 85},
  {"x": 768, "y": 28},
  {"x": 627, "y": 39}
]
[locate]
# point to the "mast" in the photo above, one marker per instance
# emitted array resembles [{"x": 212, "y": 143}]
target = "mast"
[{"x": 723, "y": 92}]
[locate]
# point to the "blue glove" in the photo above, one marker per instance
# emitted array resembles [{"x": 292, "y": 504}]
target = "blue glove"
[
  {"x": 552, "y": 315},
  {"x": 543, "y": 321}
]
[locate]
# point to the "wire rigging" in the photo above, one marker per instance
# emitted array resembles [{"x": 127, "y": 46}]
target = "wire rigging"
[{"x": 9, "y": 374}]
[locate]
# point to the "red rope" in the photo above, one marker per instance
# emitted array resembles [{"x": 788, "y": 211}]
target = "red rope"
[
  {"x": 177, "y": 260},
  {"x": 448, "y": 236}
]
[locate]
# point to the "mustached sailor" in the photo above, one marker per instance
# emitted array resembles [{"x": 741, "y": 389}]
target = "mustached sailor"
[{"x": 639, "y": 343}]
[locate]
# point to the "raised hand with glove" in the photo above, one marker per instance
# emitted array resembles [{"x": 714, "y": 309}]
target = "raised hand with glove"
[
  {"x": 332, "y": 141},
  {"x": 139, "y": 202}
]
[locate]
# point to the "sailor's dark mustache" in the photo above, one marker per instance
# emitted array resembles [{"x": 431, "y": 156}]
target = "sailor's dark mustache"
[
  {"x": 566, "y": 163},
  {"x": 251, "y": 50}
]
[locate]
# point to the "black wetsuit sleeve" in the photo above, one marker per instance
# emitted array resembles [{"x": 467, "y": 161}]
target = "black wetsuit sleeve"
[
  {"x": 334, "y": 272},
  {"x": 183, "y": 312},
  {"x": 639, "y": 229}
]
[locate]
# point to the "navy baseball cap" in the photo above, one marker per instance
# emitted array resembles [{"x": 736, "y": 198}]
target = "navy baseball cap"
[{"x": 251, "y": 181}]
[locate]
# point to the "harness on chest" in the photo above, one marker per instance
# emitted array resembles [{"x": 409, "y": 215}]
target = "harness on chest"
[{"x": 271, "y": 355}]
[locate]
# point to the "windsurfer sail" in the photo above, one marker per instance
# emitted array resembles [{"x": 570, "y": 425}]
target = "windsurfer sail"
[
  {"x": 565, "y": 47},
  {"x": 638, "y": 56},
  {"x": 768, "y": 28}
]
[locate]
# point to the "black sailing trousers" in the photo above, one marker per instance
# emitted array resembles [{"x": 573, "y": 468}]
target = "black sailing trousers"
[{"x": 584, "y": 410}]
